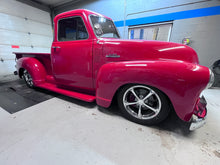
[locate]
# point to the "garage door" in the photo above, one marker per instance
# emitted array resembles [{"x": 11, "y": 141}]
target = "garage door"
[{"x": 22, "y": 29}]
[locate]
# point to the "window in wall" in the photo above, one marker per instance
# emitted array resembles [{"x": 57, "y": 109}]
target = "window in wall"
[
  {"x": 71, "y": 29},
  {"x": 160, "y": 32}
]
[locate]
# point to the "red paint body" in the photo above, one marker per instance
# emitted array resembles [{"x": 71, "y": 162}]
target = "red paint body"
[{"x": 82, "y": 66}]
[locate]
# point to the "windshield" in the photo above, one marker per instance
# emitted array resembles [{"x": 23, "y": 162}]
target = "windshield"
[{"x": 103, "y": 27}]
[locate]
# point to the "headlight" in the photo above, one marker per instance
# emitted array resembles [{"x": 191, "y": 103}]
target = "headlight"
[{"x": 211, "y": 79}]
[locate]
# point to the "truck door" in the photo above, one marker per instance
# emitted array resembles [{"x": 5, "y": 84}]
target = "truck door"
[{"x": 72, "y": 54}]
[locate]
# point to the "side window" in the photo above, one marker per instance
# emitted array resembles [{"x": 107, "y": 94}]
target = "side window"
[{"x": 71, "y": 29}]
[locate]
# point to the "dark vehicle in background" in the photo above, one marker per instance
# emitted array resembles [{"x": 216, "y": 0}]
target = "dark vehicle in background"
[{"x": 216, "y": 70}]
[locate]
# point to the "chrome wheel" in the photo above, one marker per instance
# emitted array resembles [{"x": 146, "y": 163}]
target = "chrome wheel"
[
  {"x": 28, "y": 79},
  {"x": 142, "y": 102}
]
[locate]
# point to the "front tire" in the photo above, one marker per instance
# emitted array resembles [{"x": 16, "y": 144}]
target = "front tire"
[
  {"x": 143, "y": 104},
  {"x": 28, "y": 79}
]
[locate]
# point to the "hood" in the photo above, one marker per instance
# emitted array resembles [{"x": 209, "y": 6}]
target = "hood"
[{"x": 129, "y": 50}]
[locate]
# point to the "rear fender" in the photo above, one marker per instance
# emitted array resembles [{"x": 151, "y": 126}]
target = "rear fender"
[
  {"x": 34, "y": 67},
  {"x": 181, "y": 81}
]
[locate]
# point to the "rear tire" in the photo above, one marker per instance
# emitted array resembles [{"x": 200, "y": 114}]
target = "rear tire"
[
  {"x": 143, "y": 104},
  {"x": 28, "y": 79}
]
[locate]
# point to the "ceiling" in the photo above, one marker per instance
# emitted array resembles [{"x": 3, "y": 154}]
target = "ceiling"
[
  {"x": 53, "y": 3},
  {"x": 48, "y": 4}
]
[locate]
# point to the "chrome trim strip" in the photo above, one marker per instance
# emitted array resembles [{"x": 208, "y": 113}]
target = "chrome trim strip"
[{"x": 113, "y": 56}]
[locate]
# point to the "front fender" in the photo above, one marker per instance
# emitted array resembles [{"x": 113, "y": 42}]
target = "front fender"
[
  {"x": 181, "y": 81},
  {"x": 34, "y": 67}
]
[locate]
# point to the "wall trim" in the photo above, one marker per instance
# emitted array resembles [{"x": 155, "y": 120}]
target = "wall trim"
[{"x": 202, "y": 12}]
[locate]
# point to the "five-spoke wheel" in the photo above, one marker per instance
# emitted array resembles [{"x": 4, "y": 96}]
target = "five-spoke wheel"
[
  {"x": 28, "y": 79},
  {"x": 143, "y": 104}
]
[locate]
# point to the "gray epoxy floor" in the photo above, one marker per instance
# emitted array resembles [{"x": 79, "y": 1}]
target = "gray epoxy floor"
[{"x": 67, "y": 131}]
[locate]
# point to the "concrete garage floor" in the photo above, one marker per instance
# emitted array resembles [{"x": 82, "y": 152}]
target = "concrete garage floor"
[{"x": 66, "y": 131}]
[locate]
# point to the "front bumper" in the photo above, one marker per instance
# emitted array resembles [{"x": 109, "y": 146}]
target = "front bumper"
[
  {"x": 199, "y": 117},
  {"x": 196, "y": 122}
]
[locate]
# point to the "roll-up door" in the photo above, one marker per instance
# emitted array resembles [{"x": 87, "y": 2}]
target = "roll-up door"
[{"x": 22, "y": 29}]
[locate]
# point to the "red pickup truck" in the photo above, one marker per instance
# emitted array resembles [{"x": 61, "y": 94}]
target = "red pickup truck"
[{"x": 90, "y": 62}]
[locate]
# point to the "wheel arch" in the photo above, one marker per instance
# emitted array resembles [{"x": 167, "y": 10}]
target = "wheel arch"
[
  {"x": 34, "y": 67},
  {"x": 176, "y": 79}
]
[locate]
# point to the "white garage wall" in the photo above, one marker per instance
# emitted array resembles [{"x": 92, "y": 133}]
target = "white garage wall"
[{"x": 24, "y": 26}]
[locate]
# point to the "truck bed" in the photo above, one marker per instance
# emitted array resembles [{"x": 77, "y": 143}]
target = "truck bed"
[{"x": 44, "y": 58}]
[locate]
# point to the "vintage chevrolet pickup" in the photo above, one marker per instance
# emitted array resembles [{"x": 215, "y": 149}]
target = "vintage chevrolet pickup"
[{"x": 90, "y": 62}]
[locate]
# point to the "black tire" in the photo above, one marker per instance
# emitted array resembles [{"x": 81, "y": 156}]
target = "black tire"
[
  {"x": 149, "y": 107},
  {"x": 28, "y": 79}
]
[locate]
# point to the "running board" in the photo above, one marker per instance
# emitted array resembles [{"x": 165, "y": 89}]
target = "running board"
[{"x": 54, "y": 88}]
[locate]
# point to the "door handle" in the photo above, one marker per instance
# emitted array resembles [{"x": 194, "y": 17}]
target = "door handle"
[{"x": 55, "y": 47}]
